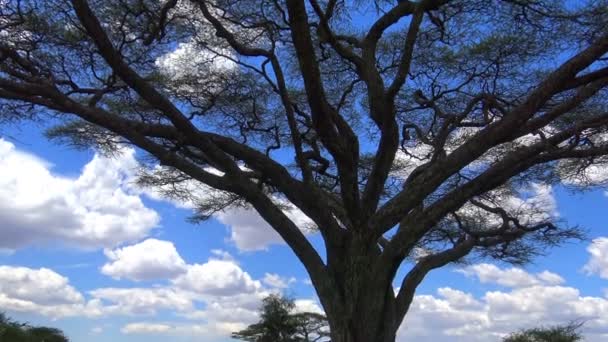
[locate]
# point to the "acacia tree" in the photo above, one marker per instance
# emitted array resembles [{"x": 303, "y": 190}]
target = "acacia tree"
[
  {"x": 409, "y": 132},
  {"x": 21, "y": 332},
  {"x": 278, "y": 323},
  {"x": 559, "y": 333}
]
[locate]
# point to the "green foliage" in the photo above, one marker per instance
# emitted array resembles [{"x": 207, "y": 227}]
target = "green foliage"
[
  {"x": 11, "y": 331},
  {"x": 561, "y": 333},
  {"x": 278, "y": 323}
]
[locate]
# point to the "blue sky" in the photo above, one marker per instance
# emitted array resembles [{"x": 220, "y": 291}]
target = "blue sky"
[{"x": 85, "y": 250}]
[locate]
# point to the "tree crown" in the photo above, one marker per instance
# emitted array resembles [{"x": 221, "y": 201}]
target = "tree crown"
[{"x": 424, "y": 131}]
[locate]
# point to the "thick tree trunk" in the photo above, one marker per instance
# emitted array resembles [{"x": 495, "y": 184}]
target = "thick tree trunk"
[
  {"x": 361, "y": 330},
  {"x": 363, "y": 307},
  {"x": 374, "y": 323}
]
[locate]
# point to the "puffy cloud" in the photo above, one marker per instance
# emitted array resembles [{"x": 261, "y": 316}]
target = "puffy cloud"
[
  {"x": 447, "y": 315},
  {"x": 233, "y": 309},
  {"x": 148, "y": 260},
  {"x": 41, "y": 291},
  {"x": 453, "y": 315},
  {"x": 190, "y": 59},
  {"x": 206, "y": 332},
  {"x": 512, "y": 277},
  {"x": 216, "y": 278},
  {"x": 593, "y": 174},
  {"x": 140, "y": 301},
  {"x": 145, "y": 328},
  {"x": 228, "y": 293},
  {"x": 276, "y": 281},
  {"x": 444, "y": 317},
  {"x": 598, "y": 262},
  {"x": 532, "y": 206},
  {"x": 42, "y": 286},
  {"x": 307, "y": 305},
  {"x": 250, "y": 232},
  {"x": 95, "y": 209}
]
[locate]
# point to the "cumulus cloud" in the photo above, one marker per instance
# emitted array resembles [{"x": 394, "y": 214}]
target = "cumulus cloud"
[
  {"x": 42, "y": 286},
  {"x": 95, "y": 209},
  {"x": 598, "y": 262},
  {"x": 140, "y": 301},
  {"x": 250, "y": 232},
  {"x": 151, "y": 259},
  {"x": 190, "y": 59},
  {"x": 447, "y": 315},
  {"x": 145, "y": 328},
  {"x": 101, "y": 207},
  {"x": 227, "y": 292},
  {"x": 276, "y": 281},
  {"x": 454, "y": 315},
  {"x": 207, "y": 332},
  {"x": 307, "y": 305},
  {"x": 41, "y": 291},
  {"x": 534, "y": 205},
  {"x": 511, "y": 277},
  {"x": 216, "y": 278}
]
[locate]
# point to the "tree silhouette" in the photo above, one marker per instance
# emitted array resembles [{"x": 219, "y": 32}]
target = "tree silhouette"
[
  {"x": 560, "y": 333},
  {"x": 311, "y": 327},
  {"x": 411, "y": 136},
  {"x": 11, "y": 331},
  {"x": 279, "y": 323}
]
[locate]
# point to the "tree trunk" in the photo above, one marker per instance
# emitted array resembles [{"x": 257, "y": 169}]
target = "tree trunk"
[
  {"x": 363, "y": 308},
  {"x": 364, "y": 326}
]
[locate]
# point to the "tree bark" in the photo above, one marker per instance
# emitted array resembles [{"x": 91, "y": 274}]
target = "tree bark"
[
  {"x": 373, "y": 323},
  {"x": 364, "y": 307}
]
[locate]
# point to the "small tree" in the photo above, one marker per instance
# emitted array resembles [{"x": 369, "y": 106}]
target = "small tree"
[
  {"x": 278, "y": 323},
  {"x": 12, "y": 331},
  {"x": 560, "y": 333},
  {"x": 311, "y": 327}
]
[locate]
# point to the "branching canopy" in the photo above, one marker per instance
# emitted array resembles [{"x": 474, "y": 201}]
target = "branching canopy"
[{"x": 419, "y": 131}]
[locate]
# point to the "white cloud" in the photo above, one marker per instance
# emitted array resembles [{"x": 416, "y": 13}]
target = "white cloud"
[
  {"x": 148, "y": 260},
  {"x": 222, "y": 254},
  {"x": 93, "y": 210},
  {"x": 42, "y": 286},
  {"x": 216, "y": 278},
  {"x": 205, "y": 332},
  {"x": 41, "y": 291},
  {"x": 598, "y": 262},
  {"x": 276, "y": 281},
  {"x": 145, "y": 328},
  {"x": 453, "y": 315},
  {"x": 307, "y": 305},
  {"x": 96, "y": 330},
  {"x": 140, "y": 301},
  {"x": 250, "y": 232},
  {"x": 448, "y": 315},
  {"x": 190, "y": 60},
  {"x": 512, "y": 277},
  {"x": 532, "y": 206},
  {"x": 228, "y": 293}
]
